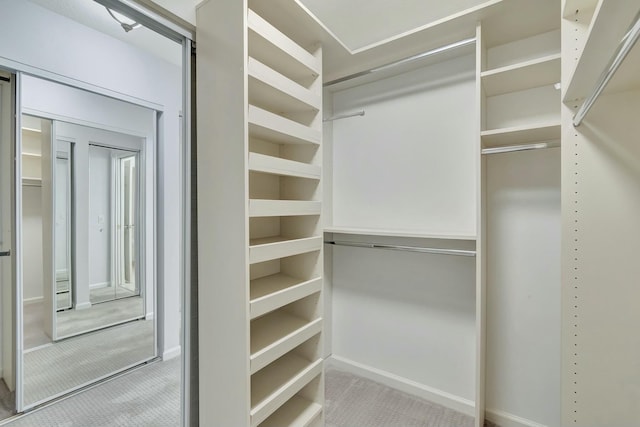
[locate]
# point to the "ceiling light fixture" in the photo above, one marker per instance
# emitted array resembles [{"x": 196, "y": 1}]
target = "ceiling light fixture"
[{"x": 126, "y": 23}]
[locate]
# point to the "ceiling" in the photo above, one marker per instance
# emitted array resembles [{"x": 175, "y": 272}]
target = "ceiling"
[
  {"x": 359, "y": 24},
  {"x": 93, "y": 15}
]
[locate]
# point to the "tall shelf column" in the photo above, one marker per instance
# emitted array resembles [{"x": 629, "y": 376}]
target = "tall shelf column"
[{"x": 259, "y": 206}]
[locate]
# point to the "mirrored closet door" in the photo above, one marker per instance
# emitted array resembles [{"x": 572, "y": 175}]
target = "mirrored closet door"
[{"x": 87, "y": 309}]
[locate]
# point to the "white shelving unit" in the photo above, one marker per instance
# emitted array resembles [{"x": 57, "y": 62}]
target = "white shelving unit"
[
  {"x": 599, "y": 189},
  {"x": 518, "y": 68},
  {"x": 265, "y": 322}
]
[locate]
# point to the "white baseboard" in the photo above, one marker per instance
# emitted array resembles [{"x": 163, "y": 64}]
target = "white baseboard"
[
  {"x": 99, "y": 285},
  {"x": 504, "y": 419},
  {"x": 171, "y": 353},
  {"x": 83, "y": 305},
  {"x": 33, "y": 300},
  {"x": 431, "y": 394}
]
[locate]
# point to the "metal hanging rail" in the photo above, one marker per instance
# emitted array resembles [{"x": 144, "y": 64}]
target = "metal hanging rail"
[
  {"x": 437, "y": 251},
  {"x": 344, "y": 116},
  {"x": 625, "y": 46},
  {"x": 524, "y": 147},
  {"x": 394, "y": 64}
]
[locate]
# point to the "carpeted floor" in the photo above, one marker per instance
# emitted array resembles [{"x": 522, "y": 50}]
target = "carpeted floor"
[
  {"x": 73, "y": 322},
  {"x": 57, "y": 368},
  {"x": 353, "y": 401},
  {"x": 149, "y": 396}
]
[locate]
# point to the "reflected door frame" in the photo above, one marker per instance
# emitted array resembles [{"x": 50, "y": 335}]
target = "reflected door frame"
[{"x": 119, "y": 229}]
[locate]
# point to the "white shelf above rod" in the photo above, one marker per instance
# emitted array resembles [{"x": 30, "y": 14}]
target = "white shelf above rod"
[
  {"x": 522, "y": 147},
  {"x": 625, "y": 46},
  {"x": 394, "y": 64},
  {"x": 437, "y": 251},
  {"x": 344, "y": 116}
]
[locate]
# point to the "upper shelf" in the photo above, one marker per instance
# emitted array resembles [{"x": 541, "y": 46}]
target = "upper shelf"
[
  {"x": 518, "y": 135},
  {"x": 609, "y": 24},
  {"x": 525, "y": 75},
  {"x": 398, "y": 233},
  {"x": 272, "y": 47},
  {"x": 283, "y": 167},
  {"x": 277, "y": 92},
  {"x": 274, "y": 128}
]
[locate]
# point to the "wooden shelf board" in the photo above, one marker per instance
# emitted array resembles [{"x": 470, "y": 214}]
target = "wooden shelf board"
[
  {"x": 526, "y": 75},
  {"x": 277, "y": 92},
  {"x": 272, "y": 292},
  {"x": 265, "y": 208},
  {"x": 277, "y": 166},
  {"x": 520, "y": 135},
  {"x": 277, "y": 333},
  {"x": 31, "y": 130},
  {"x": 31, "y": 154},
  {"x": 269, "y": 248},
  {"x": 609, "y": 24},
  {"x": 297, "y": 412},
  {"x": 398, "y": 233},
  {"x": 274, "y": 128},
  {"x": 274, "y": 385},
  {"x": 271, "y": 46}
]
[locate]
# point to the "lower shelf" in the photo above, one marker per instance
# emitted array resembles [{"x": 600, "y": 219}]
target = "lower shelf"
[
  {"x": 274, "y": 385},
  {"x": 297, "y": 412},
  {"x": 276, "y": 333},
  {"x": 272, "y": 292},
  {"x": 279, "y": 247}
]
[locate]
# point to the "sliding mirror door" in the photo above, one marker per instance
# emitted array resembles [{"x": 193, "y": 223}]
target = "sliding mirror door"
[{"x": 84, "y": 219}]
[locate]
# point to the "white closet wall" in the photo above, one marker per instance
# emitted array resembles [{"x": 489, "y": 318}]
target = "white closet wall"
[
  {"x": 409, "y": 162},
  {"x": 406, "y": 168}
]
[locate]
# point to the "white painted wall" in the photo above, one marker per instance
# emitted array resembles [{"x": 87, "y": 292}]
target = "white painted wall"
[
  {"x": 77, "y": 52},
  {"x": 99, "y": 216},
  {"x": 523, "y": 285},
  {"x": 408, "y": 163}
]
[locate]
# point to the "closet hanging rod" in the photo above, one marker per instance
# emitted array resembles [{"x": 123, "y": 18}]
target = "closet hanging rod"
[
  {"x": 422, "y": 55},
  {"x": 438, "y": 251},
  {"x": 625, "y": 46},
  {"x": 344, "y": 116},
  {"x": 524, "y": 147}
]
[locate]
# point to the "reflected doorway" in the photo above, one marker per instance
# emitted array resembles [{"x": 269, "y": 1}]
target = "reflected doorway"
[{"x": 114, "y": 171}]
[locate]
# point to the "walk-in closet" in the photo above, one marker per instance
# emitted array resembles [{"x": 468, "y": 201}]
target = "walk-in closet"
[{"x": 408, "y": 209}]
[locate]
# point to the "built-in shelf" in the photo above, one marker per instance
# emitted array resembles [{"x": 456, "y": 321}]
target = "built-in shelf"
[
  {"x": 25, "y": 154},
  {"x": 270, "y": 45},
  {"x": 297, "y": 412},
  {"x": 272, "y": 292},
  {"x": 520, "y": 135},
  {"x": 525, "y": 75},
  {"x": 277, "y": 92},
  {"x": 31, "y": 130},
  {"x": 277, "y": 333},
  {"x": 398, "y": 233},
  {"x": 274, "y": 128},
  {"x": 269, "y": 248},
  {"x": 263, "y": 208},
  {"x": 32, "y": 181},
  {"x": 609, "y": 24},
  {"x": 277, "y": 166},
  {"x": 272, "y": 386}
]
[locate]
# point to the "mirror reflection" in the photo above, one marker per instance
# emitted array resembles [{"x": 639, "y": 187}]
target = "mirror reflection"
[{"x": 83, "y": 191}]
